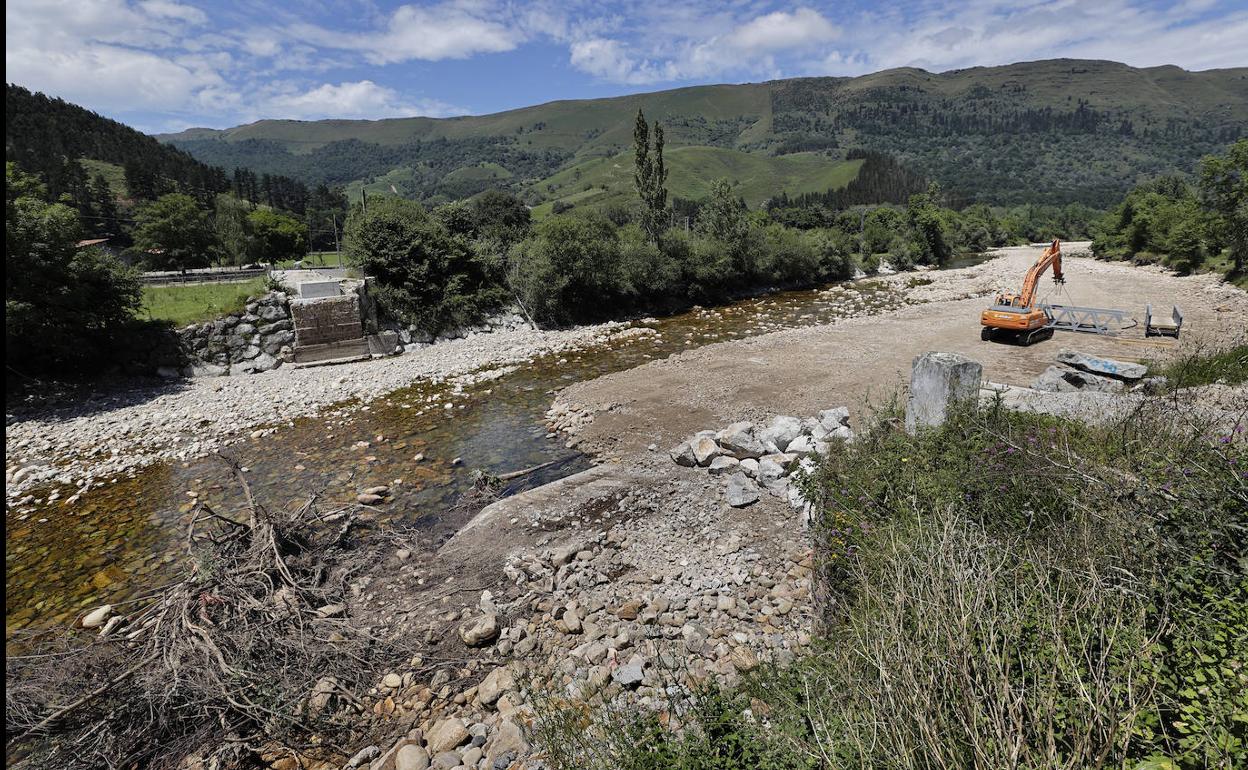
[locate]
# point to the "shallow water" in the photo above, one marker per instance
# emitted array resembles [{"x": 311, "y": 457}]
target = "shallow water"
[{"x": 121, "y": 541}]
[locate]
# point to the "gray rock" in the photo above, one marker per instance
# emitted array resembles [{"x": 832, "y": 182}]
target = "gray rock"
[
  {"x": 364, "y": 755},
  {"x": 494, "y": 685},
  {"x": 740, "y": 441},
  {"x": 722, "y": 465},
  {"x": 507, "y": 743},
  {"x": 283, "y": 325},
  {"x": 1058, "y": 380},
  {"x": 249, "y": 353},
  {"x": 802, "y": 445},
  {"x": 682, "y": 454},
  {"x": 773, "y": 466},
  {"x": 264, "y": 362},
  {"x": 831, "y": 419},
  {"x": 447, "y": 760},
  {"x": 446, "y": 735},
  {"x": 244, "y": 330},
  {"x": 1107, "y": 367},
  {"x": 479, "y": 631},
  {"x": 1053, "y": 380},
  {"x": 630, "y": 674},
  {"x": 274, "y": 342},
  {"x": 779, "y": 432},
  {"x": 411, "y": 757},
  {"x": 167, "y": 373},
  {"x": 705, "y": 449},
  {"x": 272, "y": 313},
  {"x": 741, "y": 491},
  {"x": 749, "y": 467},
  {"x": 938, "y": 382}
]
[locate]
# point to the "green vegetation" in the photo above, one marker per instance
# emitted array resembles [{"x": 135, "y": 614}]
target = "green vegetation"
[
  {"x": 426, "y": 274},
  {"x": 650, "y": 178},
  {"x": 606, "y": 182},
  {"x": 1049, "y": 132},
  {"x": 182, "y": 304},
  {"x": 174, "y": 233},
  {"x": 63, "y": 306},
  {"x": 1187, "y": 228},
  {"x": 1228, "y": 365},
  {"x": 118, "y": 179},
  {"x": 1008, "y": 590}
]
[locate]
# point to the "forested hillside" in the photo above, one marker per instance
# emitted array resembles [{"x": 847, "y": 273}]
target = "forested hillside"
[
  {"x": 106, "y": 167},
  {"x": 1054, "y": 132}
]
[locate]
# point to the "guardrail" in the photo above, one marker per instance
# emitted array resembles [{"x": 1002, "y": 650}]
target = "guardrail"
[{"x": 209, "y": 275}]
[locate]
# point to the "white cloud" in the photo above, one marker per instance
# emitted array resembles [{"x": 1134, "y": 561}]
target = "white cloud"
[
  {"x": 451, "y": 30},
  {"x": 782, "y": 31},
  {"x": 361, "y": 99},
  {"x": 746, "y": 46}
]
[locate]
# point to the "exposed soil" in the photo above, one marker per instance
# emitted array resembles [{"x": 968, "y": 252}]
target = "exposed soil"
[{"x": 867, "y": 360}]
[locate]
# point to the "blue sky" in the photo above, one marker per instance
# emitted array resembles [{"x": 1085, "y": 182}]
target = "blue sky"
[{"x": 165, "y": 65}]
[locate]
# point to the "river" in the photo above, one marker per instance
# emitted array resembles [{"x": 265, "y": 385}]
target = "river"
[{"x": 121, "y": 541}]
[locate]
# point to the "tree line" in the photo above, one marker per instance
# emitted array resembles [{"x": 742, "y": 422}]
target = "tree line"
[
  {"x": 56, "y": 140},
  {"x": 1184, "y": 225}
]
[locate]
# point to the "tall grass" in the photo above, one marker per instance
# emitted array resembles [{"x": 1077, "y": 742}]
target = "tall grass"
[
  {"x": 183, "y": 304},
  {"x": 1007, "y": 591}
]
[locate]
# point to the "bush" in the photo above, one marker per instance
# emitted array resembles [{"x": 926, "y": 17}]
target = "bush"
[
  {"x": 569, "y": 269},
  {"x": 64, "y": 307},
  {"x": 424, "y": 275}
]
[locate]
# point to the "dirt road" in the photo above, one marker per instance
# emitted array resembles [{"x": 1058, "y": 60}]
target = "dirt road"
[{"x": 866, "y": 360}]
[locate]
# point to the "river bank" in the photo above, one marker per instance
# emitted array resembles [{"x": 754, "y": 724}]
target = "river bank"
[
  {"x": 116, "y": 432},
  {"x": 638, "y": 575}
]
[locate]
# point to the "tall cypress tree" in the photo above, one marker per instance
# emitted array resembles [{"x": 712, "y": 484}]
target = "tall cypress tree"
[{"x": 650, "y": 177}]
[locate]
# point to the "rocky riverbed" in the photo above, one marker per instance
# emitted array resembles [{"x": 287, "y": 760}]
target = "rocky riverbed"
[{"x": 115, "y": 432}]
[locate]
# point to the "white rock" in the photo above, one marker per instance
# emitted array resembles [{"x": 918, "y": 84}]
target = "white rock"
[
  {"x": 96, "y": 617},
  {"x": 722, "y": 465}
]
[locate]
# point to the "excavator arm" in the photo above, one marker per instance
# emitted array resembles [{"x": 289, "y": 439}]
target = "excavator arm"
[{"x": 1052, "y": 257}]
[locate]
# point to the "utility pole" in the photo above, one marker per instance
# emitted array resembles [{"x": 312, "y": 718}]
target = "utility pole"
[{"x": 337, "y": 246}]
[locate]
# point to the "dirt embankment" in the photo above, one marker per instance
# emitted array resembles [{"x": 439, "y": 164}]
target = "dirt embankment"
[{"x": 862, "y": 360}]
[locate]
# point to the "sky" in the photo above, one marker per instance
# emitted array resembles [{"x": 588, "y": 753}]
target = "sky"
[{"x": 167, "y": 65}]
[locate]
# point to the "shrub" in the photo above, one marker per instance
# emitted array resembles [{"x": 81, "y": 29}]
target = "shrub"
[
  {"x": 424, "y": 275},
  {"x": 64, "y": 307},
  {"x": 569, "y": 269}
]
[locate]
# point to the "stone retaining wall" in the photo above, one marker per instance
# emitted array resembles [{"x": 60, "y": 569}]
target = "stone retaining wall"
[{"x": 258, "y": 339}]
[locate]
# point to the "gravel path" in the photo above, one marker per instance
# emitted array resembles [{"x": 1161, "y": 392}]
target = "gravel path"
[{"x": 117, "y": 431}]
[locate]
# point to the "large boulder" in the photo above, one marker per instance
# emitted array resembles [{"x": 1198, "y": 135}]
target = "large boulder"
[
  {"x": 705, "y": 450},
  {"x": 740, "y": 442},
  {"x": 741, "y": 491},
  {"x": 1058, "y": 380},
  {"x": 779, "y": 432},
  {"x": 939, "y": 382},
  {"x": 1105, "y": 367}
]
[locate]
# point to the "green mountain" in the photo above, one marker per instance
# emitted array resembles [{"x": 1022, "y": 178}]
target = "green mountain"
[{"x": 1050, "y": 131}]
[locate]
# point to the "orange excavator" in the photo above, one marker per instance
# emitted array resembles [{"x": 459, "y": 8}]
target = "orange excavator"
[{"x": 1016, "y": 317}]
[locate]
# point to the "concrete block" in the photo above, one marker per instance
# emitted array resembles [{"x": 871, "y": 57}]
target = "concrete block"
[
  {"x": 318, "y": 289},
  {"x": 938, "y": 381}
]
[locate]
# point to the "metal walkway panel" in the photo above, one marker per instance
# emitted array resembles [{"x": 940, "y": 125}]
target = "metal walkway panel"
[{"x": 1092, "y": 320}]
